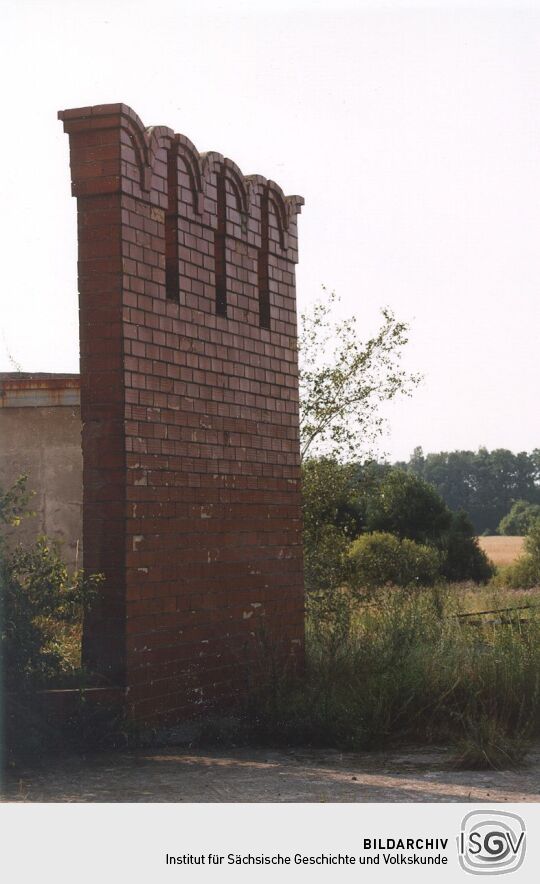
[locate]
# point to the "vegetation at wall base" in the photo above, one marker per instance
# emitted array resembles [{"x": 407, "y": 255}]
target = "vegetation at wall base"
[
  {"x": 41, "y": 611},
  {"x": 405, "y": 668}
]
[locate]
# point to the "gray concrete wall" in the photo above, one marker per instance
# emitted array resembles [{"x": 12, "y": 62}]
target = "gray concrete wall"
[{"x": 44, "y": 441}]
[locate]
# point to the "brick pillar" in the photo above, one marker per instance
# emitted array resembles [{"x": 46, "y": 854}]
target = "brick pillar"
[{"x": 189, "y": 401}]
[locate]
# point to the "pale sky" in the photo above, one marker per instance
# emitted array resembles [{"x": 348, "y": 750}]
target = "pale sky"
[{"x": 411, "y": 129}]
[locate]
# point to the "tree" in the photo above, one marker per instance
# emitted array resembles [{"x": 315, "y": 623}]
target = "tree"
[
  {"x": 483, "y": 483},
  {"x": 461, "y": 556},
  {"x": 520, "y": 518},
  {"x": 332, "y": 517},
  {"x": 406, "y": 506},
  {"x": 409, "y": 508},
  {"x": 330, "y": 496},
  {"x": 343, "y": 381}
]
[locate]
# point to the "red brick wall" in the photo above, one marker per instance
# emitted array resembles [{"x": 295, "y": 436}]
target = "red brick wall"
[{"x": 189, "y": 402}]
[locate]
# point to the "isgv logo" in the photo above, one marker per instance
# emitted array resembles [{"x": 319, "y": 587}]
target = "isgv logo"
[{"x": 491, "y": 842}]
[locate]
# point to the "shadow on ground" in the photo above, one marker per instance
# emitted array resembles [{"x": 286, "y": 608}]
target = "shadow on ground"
[{"x": 256, "y": 775}]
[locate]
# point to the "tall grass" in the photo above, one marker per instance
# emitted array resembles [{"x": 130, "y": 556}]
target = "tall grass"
[{"x": 406, "y": 668}]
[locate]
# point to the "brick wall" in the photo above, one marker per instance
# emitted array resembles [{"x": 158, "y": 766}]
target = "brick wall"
[{"x": 189, "y": 404}]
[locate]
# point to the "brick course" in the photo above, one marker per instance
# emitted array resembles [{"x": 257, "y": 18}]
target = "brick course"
[{"x": 189, "y": 404}]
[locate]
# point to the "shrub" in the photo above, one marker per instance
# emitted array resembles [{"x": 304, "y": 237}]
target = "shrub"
[
  {"x": 532, "y": 542},
  {"x": 380, "y": 559},
  {"x": 326, "y": 562},
  {"x": 462, "y": 558},
  {"x": 524, "y": 573},
  {"x": 521, "y": 574},
  {"x": 408, "y": 507},
  {"x": 39, "y": 598},
  {"x": 330, "y": 497},
  {"x": 331, "y": 519},
  {"x": 41, "y": 611},
  {"x": 519, "y": 520},
  {"x": 41, "y": 603}
]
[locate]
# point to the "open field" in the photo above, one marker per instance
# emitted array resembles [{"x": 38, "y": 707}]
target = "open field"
[{"x": 501, "y": 550}]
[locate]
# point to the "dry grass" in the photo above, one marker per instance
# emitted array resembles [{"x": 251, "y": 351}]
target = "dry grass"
[
  {"x": 469, "y": 597},
  {"x": 502, "y": 550}
]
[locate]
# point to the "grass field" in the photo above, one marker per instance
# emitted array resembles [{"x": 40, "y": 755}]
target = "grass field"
[{"x": 501, "y": 550}]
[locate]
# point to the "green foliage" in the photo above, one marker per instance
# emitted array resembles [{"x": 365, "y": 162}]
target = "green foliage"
[
  {"x": 521, "y": 574},
  {"x": 326, "y": 562},
  {"x": 330, "y": 496},
  {"x": 14, "y": 503},
  {"x": 532, "y": 542},
  {"x": 483, "y": 483},
  {"x": 461, "y": 556},
  {"x": 343, "y": 380},
  {"x": 524, "y": 573},
  {"x": 405, "y": 505},
  {"x": 408, "y": 507},
  {"x": 342, "y": 501},
  {"x": 381, "y": 559},
  {"x": 520, "y": 518},
  {"x": 37, "y": 596},
  {"x": 332, "y": 516}
]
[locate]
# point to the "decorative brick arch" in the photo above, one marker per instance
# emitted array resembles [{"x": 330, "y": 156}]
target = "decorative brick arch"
[{"x": 191, "y": 503}]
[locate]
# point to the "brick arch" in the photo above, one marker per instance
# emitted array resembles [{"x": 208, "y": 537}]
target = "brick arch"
[{"x": 191, "y": 501}]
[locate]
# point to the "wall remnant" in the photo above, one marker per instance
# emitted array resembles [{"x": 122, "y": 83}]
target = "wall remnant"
[
  {"x": 40, "y": 437},
  {"x": 189, "y": 405}
]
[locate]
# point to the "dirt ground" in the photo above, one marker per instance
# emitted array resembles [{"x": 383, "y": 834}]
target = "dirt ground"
[{"x": 258, "y": 775}]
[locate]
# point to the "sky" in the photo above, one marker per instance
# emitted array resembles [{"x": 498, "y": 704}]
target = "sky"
[{"x": 412, "y": 130}]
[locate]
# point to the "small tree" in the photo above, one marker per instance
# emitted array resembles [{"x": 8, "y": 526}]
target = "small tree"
[
  {"x": 37, "y": 593},
  {"x": 462, "y": 557},
  {"x": 344, "y": 381}
]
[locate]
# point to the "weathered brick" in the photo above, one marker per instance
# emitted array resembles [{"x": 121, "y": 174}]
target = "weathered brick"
[{"x": 189, "y": 399}]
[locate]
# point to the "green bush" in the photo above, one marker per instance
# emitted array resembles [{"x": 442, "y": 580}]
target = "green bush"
[
  {"x": 382, "y": 559},
  {"x": 532, "y": 542},
  {"x": 461, "y": 556},
  {"x": 331, "y": 520},
  {"x": 342, "y": 501},
  {"x": 521, "y": 574},
  {"x": 39, "y": 597},
  {"x": 41, "y": 612},
  {"x": 326, "y": 562},
  {"x": 40, "y": 602},
  {"x": 519, "y": 520},
  {"x": 524, "y": 573}
]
